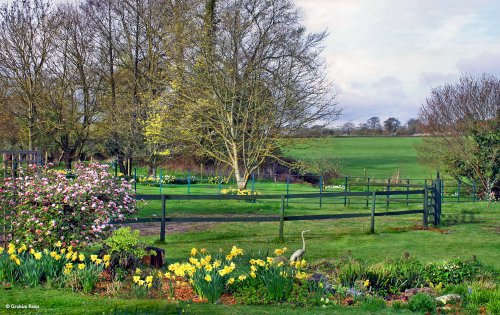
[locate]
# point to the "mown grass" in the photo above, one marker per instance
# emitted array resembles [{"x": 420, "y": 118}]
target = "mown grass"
[
  {"x": 382, "y": 157},
  {"x": 52, "y": 301}
]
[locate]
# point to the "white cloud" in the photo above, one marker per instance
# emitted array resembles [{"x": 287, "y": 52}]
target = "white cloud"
[{"x": 385, "y": 56}]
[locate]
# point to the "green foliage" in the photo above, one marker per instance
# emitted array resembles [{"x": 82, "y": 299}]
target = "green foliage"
[
  {"x": 350, "y": 272},
  {"x": 421, "y": 302},
  {"x": 125, "y": 247},
  {"x": 31, "y": 270},
  {"x": 453, "y": 272},
  {"x": 278, "y": 281},
  {"x": 398, "y": 305},
  {"x": 250, "y": 292},
  {"x": 373, "y": 304},
  {"x": 395, "y": 276}
]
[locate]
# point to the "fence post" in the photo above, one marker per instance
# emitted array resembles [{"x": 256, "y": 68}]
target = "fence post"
[
  {"x": 135, "y": 180},
  {"x": 437, "y": 203},
  {"x": 367, "y": 190},
  {"x": 388, "y": 190},
  {"x": 320, "y": 190},
  {"x": 253, "y": 182},
  {"x": 220, "y": 183},
  {"x": 163, "y": 214},
  {"x": 345, "y": 190},
  {"x": 282, "y": 218},
  {"x": 161, "y": 179},
  {"x": 407, "y": 190},
  {"x": 426, "y": 207},
  {"x": 287, "y": 187},
  {"x": 474, "y": 190},
  {"x": 458, "y": 190},
  {"x": 189, "y": 183},
  {"x": 372, "y": 226}
]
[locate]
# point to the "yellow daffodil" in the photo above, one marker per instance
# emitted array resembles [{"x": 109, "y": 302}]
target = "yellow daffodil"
[
  {"x": 208, "y": 267},
  {"x": 203, "y": 251},
  {"x": 253, "y": 268},
  {"x": 149, "y": 279},
  {"x": 230, "y": 281},
  {"x": 367, "y": 283},
  {"x": 106, "y": 258},
  {"x": 58, "y": 244},
  {"x": 57, "y": 257},
  {"x": 17, "y": 261},
  {"x": 1, "y": 250},
  {"x": 269, "y": 260},
  {"x": 93, "y": 258},
  {"x": 242, "y": 277},
  {"x": 81, "y": 257},
  {"x": 22, "y": 249},
  {"x": 32, "y": 251},
  {"x": 208, "y": 278},
  {"x": 63, "y": 250},
  {"x": 136, "y": 278},
  {"x": 278, "y": 251},
  {"x": 81, "y": 266},
  {"x": 12, "y": 249},
  {"x": 140, "y": 282},
  {"x": 193, "y": 260},
  {"x": 53, "y": 254},
  {"x": 217, "y": 264},
  {"x": 37, "y": 256},
  {"x": 13, "y": 257},
  {"x": 229, "y": 257},
  {"x": 138, "y": 271},
  {"x": 194, "y": 251},
  {"x": 253, "y": 275},
  {"x": 98, "y": 261},
  {"x": 106, "y": 264}
]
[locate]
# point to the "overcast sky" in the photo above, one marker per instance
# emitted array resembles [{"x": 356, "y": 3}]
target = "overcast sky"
[{"x": 386, "y": 55}]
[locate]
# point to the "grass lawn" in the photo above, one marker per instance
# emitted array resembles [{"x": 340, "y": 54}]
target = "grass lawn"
[{"x": 382, "y": 157}]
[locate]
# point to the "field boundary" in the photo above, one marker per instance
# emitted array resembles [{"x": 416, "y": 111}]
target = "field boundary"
[{"x": 431, "y": 200}]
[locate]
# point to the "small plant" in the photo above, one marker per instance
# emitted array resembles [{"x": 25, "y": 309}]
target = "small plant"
[
  {"x": 421, "y": 302},
  {"x": 454, "y": 272},
  {"x": 125, "y": 247},
  {"x": 141, "y": 287}
]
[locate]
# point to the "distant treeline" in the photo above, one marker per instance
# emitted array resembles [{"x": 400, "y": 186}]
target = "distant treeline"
[{"x": 372, "y": 127}]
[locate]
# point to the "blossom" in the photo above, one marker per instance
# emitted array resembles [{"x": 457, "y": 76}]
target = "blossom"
[
  {"x": 81, "y": 266},
  {"x": 230, "y": 281},
  {"x": 81, "y": 257},
  {"x": 252, "y": 274},
  {"x": 149, "y": 279},
  {"x": 136, "y": 278},
  {"x": 194, "y": 251},
  {"x": 208, "y": 278},
  {"x": 242, "y": 277},
  {"x": 37, "y": 256}
]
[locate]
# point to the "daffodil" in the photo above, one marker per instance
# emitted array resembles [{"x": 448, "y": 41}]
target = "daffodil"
[
  {"x": 203, "y": 251},
  {"x": 106, "y": 258},
  {"x": 1, "y": 250},
  {"x": 230, "y": 281},
  {"x": 149, "y": 279},
  {"x": 81, "y": 257},
  {"x": 253, "y": 275},
  {"x": 93, "y": 258},
  {"x": 208, "y": 278},
  {"x": 81, "y": 266},
  {"x": 194, "y": 251},
  {"x": 58, "y": 244},
  {"x": 37, "y": 256},
  {"x": 242, "y": 277},
  {"x": 138, "y": 271},
  {"x": 136, "y": 278}
]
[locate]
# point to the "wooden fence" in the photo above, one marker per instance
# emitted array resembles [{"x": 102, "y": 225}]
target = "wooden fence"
[{"x": 431, "y": 200}]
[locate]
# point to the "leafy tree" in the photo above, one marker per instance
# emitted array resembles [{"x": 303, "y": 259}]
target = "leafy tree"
[{"x": 373, "y": 123}]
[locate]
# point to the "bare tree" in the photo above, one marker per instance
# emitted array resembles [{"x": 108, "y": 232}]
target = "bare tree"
[
  {"x": 73, "y": 88},
  {"x": 464, "y": 119},
  {"x": 391, "y": 125},
  {"x": 26, "y": 41},
  {"x": 257, "y": 77},
  {"x": 348, "y": 128}
]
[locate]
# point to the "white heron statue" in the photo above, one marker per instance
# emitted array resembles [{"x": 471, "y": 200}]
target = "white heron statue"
[{"x": 297, "y": 255}]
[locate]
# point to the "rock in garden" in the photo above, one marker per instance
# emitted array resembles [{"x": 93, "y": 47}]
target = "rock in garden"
[
  {"x": 448, "y": 298},
  {"x": 411, "y": 292}
]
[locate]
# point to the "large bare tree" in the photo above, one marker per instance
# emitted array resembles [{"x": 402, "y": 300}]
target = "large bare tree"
[
  {"x": 26, "y": 42},
  {"x": 257, "y": 76},
  {"x": 463, "y": 120}
]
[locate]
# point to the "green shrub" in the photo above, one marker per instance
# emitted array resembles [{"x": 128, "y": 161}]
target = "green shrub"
[
  {"x": 454, "y": 272},
  {"x": 395, "y": 276},
  {"x": 350, "y": 272},
  {"x": 125, "y": 247},
  {"x": 421, "y": 302},
  {"x": 398, "y": 305},
  {"x": 480, "y": 297}
]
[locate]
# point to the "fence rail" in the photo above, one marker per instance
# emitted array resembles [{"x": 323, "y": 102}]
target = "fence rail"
[{"x": 426, "y": 193}]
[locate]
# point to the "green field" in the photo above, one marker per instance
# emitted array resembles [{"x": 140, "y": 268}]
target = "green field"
[{"x": 381, "y": 157}]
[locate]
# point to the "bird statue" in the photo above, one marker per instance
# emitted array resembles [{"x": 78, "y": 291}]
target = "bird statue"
[{"x": 297, "y": 255}]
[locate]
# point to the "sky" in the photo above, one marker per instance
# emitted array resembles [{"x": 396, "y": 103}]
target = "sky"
[{"x": 385, "y": 56}]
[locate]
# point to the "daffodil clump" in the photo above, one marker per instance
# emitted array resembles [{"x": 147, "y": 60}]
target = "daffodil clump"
[
  {"x": 82, "y": 273},
  {"x": 142, "y": 284},
  {"x": 25, "y": 265},
  {"x": 208, "y": 275},
  {"x": 239, "y": 192},
  {"x": 277, "y": 275}
]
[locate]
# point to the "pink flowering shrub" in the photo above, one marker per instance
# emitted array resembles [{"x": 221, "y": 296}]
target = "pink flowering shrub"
[{"x": 47, "y": 207}]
